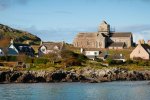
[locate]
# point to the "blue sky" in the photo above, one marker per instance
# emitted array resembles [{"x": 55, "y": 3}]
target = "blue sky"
[{"x": 61, "y": 20}]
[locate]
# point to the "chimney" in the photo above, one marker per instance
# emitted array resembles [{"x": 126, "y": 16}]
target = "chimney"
[
  {"x": 141, "y": 41},
  {"x": 81, "y": 50},
  {"x": 41, "y": 42},
  {"x": 12, "y": 41}
]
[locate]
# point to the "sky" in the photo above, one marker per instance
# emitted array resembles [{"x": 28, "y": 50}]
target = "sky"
[{"x": 61, "y": 20}]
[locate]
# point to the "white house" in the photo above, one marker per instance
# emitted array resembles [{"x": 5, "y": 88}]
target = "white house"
[
  {"x": 15, "y": 48},
  {"x": 2, "y": 52},
  {"x": 141, "y": 51},
  {"x": 91, "y": 53},
  {"x": 50, "y": 47}
]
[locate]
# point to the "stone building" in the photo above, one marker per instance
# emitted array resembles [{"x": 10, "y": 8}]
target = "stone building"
[{"x": 104, "y": 38}]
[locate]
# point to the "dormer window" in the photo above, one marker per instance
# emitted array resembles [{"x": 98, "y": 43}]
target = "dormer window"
[{"x": 43, "y": 50}]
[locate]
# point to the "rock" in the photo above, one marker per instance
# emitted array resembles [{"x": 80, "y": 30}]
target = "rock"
[
  {"x": 26, "y": 78},
  {"x": 15, "y": 76},
  {"x": 84, "y": 75},
  {"x": 58, "y": 76}
]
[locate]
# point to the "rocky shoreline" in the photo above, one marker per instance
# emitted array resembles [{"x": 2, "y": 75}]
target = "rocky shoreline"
[{"x": 86, "y": 75}]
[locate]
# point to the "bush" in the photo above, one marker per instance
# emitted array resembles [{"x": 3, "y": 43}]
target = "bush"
[
  {"x": 71, "y": 62},
  {"x": 2, "y": 58},
  {"x": 99, "y": 60},
  {"x": 29, "y": 60},
  {"x": 114, "y": 62},
  {"x": 81, "y": 57},
  {"x": 143, "y": 63},
  {"x": 40, "y": 60},
  {"x": 11, "y": 58},
  {"x": 70, "y": 58},
  {"x": 68, "y": 54},
  {"x": 129, "y": 61}
]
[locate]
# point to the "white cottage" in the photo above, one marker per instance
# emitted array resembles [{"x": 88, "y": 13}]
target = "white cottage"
[
  {"x": 50, "y": 47},
  {"x": 141, "y": 51},
  {"x": 91, "y": 53},
  {"x": 2, "y": 51}
]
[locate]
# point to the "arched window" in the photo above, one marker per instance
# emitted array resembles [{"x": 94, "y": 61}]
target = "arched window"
[
  {"x": 88, "y": 43},
  {"x": 100, "y": 43}
]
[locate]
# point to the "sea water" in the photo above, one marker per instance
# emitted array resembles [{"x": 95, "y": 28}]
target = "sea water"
[{"x": 126, "y": 90}]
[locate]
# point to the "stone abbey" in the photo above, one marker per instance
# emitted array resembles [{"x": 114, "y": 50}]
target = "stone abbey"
[{"x": 104, "y": 38}]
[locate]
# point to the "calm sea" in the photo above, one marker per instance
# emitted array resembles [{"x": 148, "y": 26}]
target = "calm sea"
[{"x": 138, "y": 90}]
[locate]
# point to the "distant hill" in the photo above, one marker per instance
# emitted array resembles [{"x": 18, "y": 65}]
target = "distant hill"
[{"x": 18, "y": 35}]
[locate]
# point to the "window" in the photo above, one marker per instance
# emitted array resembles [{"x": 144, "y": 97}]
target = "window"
[
  {"x": 95, "y": 53},
  {"x": 43, "y": 50},
  {"x": 88, "y": 43}
]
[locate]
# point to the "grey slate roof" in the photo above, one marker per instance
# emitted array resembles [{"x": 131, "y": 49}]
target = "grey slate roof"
[
  {"x": 51, "y": 45},
  {"x": 21, "y": 48},
  {"x": 146, "y": 47},
  {"x": 121, "y": 34},
  {"x": 87, "y": 34},
  {"x": 117, "y": 44},
  {"x": 91, "y": 49},
  {"x": 12, "y": 52}
]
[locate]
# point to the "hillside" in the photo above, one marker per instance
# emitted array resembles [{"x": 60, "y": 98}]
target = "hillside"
[{"x": 18, "y": 35}]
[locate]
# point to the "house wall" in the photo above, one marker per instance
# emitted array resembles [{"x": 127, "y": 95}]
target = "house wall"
[
  {"x": 115, "y": 47},
  {"x": 139, "y": 51},
  {"x": 1, "y": 52},
  {"x": 42, "y": 50},
  {"x": 13, "y": 47},
  {"x": 91, "y": 53},
  {"x": 126, "y": 40}
]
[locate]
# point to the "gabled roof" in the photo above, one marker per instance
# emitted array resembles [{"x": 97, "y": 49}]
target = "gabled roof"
[
  {"x": 12, "y": 51},
  {"x": 121, "y": 34},
  {"x": 51, "y": 45},
  {"x": 117, "y": 56},
  {"x": 91, "y": 49},
  {"x": 21, "y": 48},
  {"x": 4, "y": 49},
  {"x": 86, "y": 34},
  {"x": 117, "y": 44},
  {"x": 146, "y": 47},
  {"x": 17, "y": 46},
  {"x": 103, "y": 54}
]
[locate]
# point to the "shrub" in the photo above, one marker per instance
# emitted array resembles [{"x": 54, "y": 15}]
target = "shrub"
[
  {"x": 40, "y": 60},
  {"x": 70, "y": 58},
  {"x": 68, "y": 54},
  {"x": 81, "y": 57},
  {"x": 11, "y": 58},
  {"x": 71, "y": 62},
  {"x": 129, "y": 61},
  {"x": 114, "y": 62},
  {"x": 2, "y": 58},
  {"x": 29, "y": 60},
  {"x": 52, "y": 57},
  {"x": 143, "y": 63}
]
